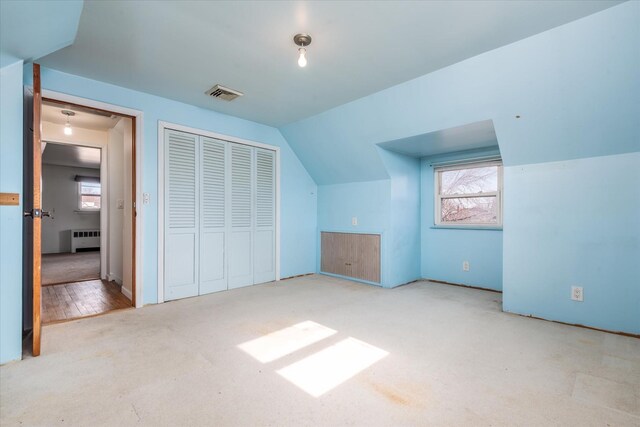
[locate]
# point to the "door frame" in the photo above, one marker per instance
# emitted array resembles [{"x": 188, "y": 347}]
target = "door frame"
[
  {"x": 104, "y": 213},
  {"x": 162, "y": 126},
  {"x": 137, "y": 117}
]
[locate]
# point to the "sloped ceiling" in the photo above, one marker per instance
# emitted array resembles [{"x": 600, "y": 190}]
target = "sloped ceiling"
[
  {"x": 471, "y": 136},
  {"x": 32, "y": 29},
  {"x": 179, "y": 49},
  {"x": 570, "y": 92}
]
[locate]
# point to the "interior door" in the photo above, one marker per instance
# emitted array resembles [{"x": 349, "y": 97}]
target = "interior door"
[
  {"x": 241, "y": 230},
  {"x": 213, "y": 203},
  {"x": 181, "y": 215},
  {"x": 264, "y": 247},
  {"x": 32, "y": 228}
]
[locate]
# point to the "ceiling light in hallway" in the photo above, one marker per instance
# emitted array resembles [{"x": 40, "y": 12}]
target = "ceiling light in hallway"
[{"x": 67, "y": 127}]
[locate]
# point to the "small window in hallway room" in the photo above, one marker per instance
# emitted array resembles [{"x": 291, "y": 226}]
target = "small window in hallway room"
[
  {"x": 469, "y": 195},
  {"x": 89, "y": 197}
]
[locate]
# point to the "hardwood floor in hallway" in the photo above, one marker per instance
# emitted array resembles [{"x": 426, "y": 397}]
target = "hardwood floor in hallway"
[{"x": 81, "y": 299}]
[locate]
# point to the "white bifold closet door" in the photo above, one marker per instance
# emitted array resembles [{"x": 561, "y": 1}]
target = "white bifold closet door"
[
  {"x": 213, "y": 214},
  {"x": 264, "y": 266},
  {"x": 220, "y": 215},
  {"x": 242, "y": 212},
  {"x": 181, "y": 215}
]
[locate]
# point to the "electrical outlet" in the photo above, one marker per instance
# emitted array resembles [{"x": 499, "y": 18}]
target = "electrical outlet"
[
  {"x": 145, "y": 198},
  {"x": 465, "y": 265},
  {"x": 577, "y": 294},
  {"x": 354, "y": 220}
]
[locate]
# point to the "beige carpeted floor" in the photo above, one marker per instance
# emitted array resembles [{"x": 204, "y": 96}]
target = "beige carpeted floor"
[
  {"x": 423, "y": 354},
  {"x": 68, "y": 267}
]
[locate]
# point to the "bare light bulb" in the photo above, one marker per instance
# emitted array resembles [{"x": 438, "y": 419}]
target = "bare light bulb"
[
  {"x": 67, "y": 129},
  {"x": 302, "y": 59}
]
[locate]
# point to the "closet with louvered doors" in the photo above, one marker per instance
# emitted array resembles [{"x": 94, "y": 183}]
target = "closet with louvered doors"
[{"x": 225, "y": 237}]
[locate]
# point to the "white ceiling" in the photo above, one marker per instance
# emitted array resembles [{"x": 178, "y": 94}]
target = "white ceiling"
[
  {"x": 52, "y": 112},
  {"x": 179, "y": 49},
  {"x": 71, "y": 155}
]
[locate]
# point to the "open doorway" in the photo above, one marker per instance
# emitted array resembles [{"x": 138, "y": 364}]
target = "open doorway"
[
  {"x": 87, "y": 239},
  {"x": 34, "y": 214}
]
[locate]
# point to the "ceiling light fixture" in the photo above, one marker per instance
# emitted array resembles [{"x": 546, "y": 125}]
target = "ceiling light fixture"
[
  {"x": 302, "y": 40},
  {"x": 67, "y": 127}
]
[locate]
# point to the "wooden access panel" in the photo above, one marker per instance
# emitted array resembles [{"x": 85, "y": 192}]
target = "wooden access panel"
[
  {"x": 351, "y": 254},
  {"x": 9, "y": 199}
]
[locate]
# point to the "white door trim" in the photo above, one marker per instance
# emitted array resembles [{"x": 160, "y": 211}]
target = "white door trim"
[
  {"x": 139, "y": 218},
  {"x": 162, "y": 126}
]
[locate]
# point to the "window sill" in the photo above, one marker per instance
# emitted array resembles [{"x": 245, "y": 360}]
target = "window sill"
[
  {"x": 465, "y": 227},
  {"x": 85, "y": 212}
]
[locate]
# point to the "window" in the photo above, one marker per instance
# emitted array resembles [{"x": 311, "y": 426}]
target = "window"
[
  {"x": 89, "y": 196},
  {"x": 469, "y": 195}
]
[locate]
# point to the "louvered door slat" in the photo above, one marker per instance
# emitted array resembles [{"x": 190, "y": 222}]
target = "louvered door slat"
[
  {"x": 182, "y": 180},
  {"x": 181, "y": 215},
  {"x": 265, "y": 188},
  {"x": 241, "y": 220},
  {"x": 213, "y": 223},
  {"x": 240, "y": 186},
  {"x": 264, "y": 241},
  {"x": 213, "y": 183}
]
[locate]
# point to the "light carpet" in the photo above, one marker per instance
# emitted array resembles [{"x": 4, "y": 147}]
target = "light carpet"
[{"x": 322, "y": 351}]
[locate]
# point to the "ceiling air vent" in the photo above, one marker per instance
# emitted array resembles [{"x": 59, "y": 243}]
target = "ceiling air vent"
[{"x": 222, "y": 92}]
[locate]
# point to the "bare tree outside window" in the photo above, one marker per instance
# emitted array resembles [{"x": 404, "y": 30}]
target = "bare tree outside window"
[
  {"x": 89, "y": 195},
  {"x": 469, "y": 195}
]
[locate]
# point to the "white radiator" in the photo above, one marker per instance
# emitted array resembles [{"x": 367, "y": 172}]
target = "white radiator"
[{"x": 85, "y": 239}]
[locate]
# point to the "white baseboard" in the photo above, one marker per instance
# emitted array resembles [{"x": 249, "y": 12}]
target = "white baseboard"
[
  {"x": 126, "y": 292},
  {"x": 114, "y": 278}
]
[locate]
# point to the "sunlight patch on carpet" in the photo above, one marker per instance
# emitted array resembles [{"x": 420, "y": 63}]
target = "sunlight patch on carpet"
[
  {"x": 286, "y": 341},
  {"x": 328, "y": 368}
]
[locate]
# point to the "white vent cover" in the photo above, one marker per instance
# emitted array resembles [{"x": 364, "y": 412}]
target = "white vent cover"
[{"x": 222, "y": 92}]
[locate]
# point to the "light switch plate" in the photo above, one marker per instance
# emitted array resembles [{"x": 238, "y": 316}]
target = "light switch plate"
[{"x": 120, "y": 204}]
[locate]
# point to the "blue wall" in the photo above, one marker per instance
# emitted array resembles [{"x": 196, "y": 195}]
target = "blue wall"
[
  {"x": 403, "y": 245},
  {"x": 577, "y": 92},
  {"x": 298, "y": 190},
  {"x": 368, "y": 201},
  {"x": 11, "y": 216},
  {"x": 389, "y": 207},
  {"x": 444, "y": 249},
  {"x": 574, "y": 87},
  {"x": 575, "y": 223}
]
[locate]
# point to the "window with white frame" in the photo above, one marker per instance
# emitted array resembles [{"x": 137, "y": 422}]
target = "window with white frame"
[
  {"x": 89, "y": 195},
  {"x": 469, "y": 195}
]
